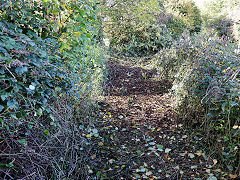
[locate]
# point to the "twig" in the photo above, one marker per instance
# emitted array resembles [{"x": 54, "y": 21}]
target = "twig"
[
  {"x": 11, "y": 73},
  {"x": 11, "y": 154},
  {"x": 7, "y": 174},
  {"x": 28, "y": 176},
  {"x": 3, "y": 4}
]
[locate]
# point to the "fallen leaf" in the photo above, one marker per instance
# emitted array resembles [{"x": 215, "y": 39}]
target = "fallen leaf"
[
  {"x": 149, "y": 173},
  {"x": 199, "y": 153},
  {"x": 167, "y": 150},
  {"x": 212, "y": 178},
  {"x": 142, "y": 170},
  {"x": 95, "y": 131},
  {"x": 217, "y": 170},
  {"x": 233, "y": 176},
  {"x": 159, "y": 147},
  {"x": 111, "y": 161},
  {"x": 236, "y": 127},
  {"x": 208, "y": 171},
  {"x": 184, "y": 136},
  {"x": 152, "y": 143},
  {"x": 100, "y": 143},
  {"x": 166, "y": 155},
  {"x": 214, "y": 162},
  {"x": 182, "y": 154},
  {"x": 88, "y": 135},
  {"x": 138, "y": 176},
  {"x": 193, "y": 167},
  {"x": 167, "y": 175},
  {"x": 177, "y": 167},
  {"x": 191, "y": 155},
  {"x": 120, "y": 117},
  {"x": 93, "y": 156}
]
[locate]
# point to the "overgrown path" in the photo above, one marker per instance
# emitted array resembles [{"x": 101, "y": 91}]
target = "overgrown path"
[{"x": 142, "y": 138}]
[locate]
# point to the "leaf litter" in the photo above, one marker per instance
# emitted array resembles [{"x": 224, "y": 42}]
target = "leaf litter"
[{"x": 139, "y": 135}]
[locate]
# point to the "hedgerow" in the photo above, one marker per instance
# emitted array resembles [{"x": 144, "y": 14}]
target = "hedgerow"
[{"x": 205, "y": 74}]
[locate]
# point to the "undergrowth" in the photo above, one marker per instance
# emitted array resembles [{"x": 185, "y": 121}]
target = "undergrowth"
[
  {"x": 205, "y": 74},
  {"x": 50, "y": 67}
]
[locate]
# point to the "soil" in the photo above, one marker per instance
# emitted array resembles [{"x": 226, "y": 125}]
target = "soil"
[{"x": 142, "y": 137}]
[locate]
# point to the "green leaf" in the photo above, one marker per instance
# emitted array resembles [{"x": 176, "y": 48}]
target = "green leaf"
[
  {"x": 98, "y": 173},
  {"x": 159, "y": 146},
  {"x": 21, "y": 70},
  {"x": 22, "y": 142},
  {"x": 40, "y": 112},
  {"x": 138, "y": 152},
  {"x": 46, "y": 132},
  {"x": 9, "y": 165},
  {"x": 12, "y": 104},
  {"x": 1, "y": 108},
  {"x": 5, "y": 96}
]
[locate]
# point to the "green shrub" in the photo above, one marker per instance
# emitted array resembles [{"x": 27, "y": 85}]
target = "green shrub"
[
  {"x": 48, "y": 61},
  {"x": 185, "y": 15},
  {"x": 134, "y": 29},
  {"x": 223, "y": 17},
  {"x": 205, "y": 72}
]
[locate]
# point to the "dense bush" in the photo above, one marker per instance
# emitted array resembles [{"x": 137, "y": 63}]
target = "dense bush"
[
  {"x": 185, "y": 15},
  {"x": 215, "y": 83},
  {"x": 143, "y": 27},
  {"x": 205, "y": 75},
  {"x": 133, "y": 27},
  {"x": 223, "y": 17},
  {"x": 48, "y": 61}
]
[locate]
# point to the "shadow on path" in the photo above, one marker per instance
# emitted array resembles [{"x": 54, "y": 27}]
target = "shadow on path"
[{"x": 126, "y": 80}]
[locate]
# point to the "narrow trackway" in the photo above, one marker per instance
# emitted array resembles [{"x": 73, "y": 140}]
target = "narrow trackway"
[{"x": 142, "y": 136}]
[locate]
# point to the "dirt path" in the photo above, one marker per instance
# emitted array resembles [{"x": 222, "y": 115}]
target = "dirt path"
[{"x": 142, "y": 138}]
